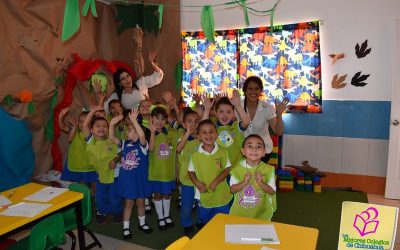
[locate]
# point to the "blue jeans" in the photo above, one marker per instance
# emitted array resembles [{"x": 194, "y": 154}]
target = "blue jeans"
[
  {"x": 187, "y": 199},
  {"x": 206, "y": 214},
  {"x": 107, "y": 199}
]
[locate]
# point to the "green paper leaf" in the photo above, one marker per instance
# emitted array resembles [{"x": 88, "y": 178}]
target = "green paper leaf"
[
  {"x": 72, "y": 20},
  {"x": 128, "y": 16},
  {"x": 160, "y": 15},
  {"x": 207, "y": 22},
  {"x": 271, "y": 20},
  {"x": 59, "y": 79},
  {"x": 31, "y": 108},
  {"x": 92, "y": 5},
  {"x": 178, "y": 75},
  {"x": 8, "y": 99},
  {"x": 246, "y": 14}
]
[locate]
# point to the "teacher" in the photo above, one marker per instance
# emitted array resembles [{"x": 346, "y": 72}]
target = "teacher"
[
  {"x": 131, "y": 92},
  {"x": 262, "y": 115}
]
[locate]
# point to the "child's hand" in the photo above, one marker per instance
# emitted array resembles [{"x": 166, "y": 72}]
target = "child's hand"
[
  {"x": 96, "y": 86},
  {"x": 73, "y": 122},
  {"x": 281, "y": 106},
  {"x": 207, "y": 102},
  {"x": 167, "y": 96},
  {"x": 133, "y": 115},
  {"x": 201, "y": 187},
  {"x": 213, "y": 186},
  {"x": 196, "y": 97},
  {"x": 146, "y": 96},
  {"x": 247, "y": 178},
  {"x": 235, "y": 99},
  {"x": 153, "y": 57},
  {"x": 258, "y": 177},
  {"x": 152, "y": 127},
  {"x": 112, "y": 164},
  {"x": 64, "y": 111},
  {"x": 96, "y": 108},
  {"x": 116, "y": 119}
]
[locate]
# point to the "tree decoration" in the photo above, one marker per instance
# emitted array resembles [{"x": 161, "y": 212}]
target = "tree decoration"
[
  {"x": 92, "y": 5},
  {"x": 24, "y": 96},
  {"x": 131, "y": 16},
  {"x": 207, "y": 22},
  {"x": 160, "y": 15},
  {"x": 72, "y": 20},
  {"x": 178, "y": 75}
]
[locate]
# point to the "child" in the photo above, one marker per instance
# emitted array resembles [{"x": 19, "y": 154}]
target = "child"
[
  {"x": 116, "y": 109},
  {"x": 208, "y": 169},
  {"x": 162, "y": 147},
  {"x": 253, "y": 182},
  {"x": 77, "y": 168},
  {"x": 103, "y": 156},
  {"x": 230, "y": 131},
  {"x": 187, "y": 145},
  {"x": 132, "y": 182}
]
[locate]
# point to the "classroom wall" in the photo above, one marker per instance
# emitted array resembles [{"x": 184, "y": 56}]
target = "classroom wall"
[{"x": 350, "y": 138}]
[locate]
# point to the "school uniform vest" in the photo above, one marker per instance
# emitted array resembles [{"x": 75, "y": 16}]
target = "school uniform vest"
[
  {"x": 100, "y": 153},
  {"x": 207, "y": 168},
  {"x": 252, "y": 201},
  {"x": 190, "y": 147},
  {"x": 78, "y": 160}
]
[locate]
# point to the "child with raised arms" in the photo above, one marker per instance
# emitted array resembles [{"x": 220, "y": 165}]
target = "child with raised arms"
[
  {"x": 208, "y": 169},
  {"x": 162, "y": 147},
  {"x": 103, "y": 156},
  {"x": 132, "y": 182},
  {"x": 253, "y": 182},
  {"x": 187, "y": 145}
]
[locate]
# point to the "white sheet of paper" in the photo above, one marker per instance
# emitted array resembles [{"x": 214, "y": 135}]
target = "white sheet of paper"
[
  {"x": 25, "y": 209},
  {"x": 45, "y": 194},
  {"x": 4, "y": 201},
  {"x": 251, "y": 234}
]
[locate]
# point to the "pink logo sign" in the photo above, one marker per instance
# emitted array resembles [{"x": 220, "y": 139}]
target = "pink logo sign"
[{"x": 365, "y": 222}]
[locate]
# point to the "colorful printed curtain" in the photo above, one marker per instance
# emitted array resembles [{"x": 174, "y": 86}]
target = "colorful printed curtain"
[
  {"x": 208, "y": 67},
  {"x": 287, "y": 60}
]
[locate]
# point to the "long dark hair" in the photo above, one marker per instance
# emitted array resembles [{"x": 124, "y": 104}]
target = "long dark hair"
[
  {"x": 255, "y": 79},
  {"x": 117, "y": 82}
]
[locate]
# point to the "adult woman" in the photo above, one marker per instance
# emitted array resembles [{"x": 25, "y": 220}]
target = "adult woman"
[
  {"x": 262, "y": 115},
  {"x": 131, "y": 92}
]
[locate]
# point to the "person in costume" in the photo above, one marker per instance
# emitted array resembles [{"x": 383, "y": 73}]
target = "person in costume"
[
  {"x": 187, "y": 145},
  {"x": 76, "y": 168},
  {"x": 131, "y": 91},
  {"x": 253, "y": 182},
  {"x": 208, "y": 170},
  {"x": 230, "y": 130},
  {"x": 103, "y": 157},
  {"x": 162, "y": 147},
  {"x": 262, "y": 115},
  {"x": 133, "y": 176}
]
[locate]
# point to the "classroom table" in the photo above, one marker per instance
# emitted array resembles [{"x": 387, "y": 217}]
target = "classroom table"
[
  {"x": 212, "y": 235},
  {"x": 10, "y": 225}
]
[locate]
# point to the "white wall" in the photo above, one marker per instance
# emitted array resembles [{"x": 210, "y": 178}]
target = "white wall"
[{"x": 343, "y": 24}]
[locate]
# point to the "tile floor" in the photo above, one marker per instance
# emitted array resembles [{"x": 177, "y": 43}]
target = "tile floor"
[{"x": 115, "y": 244}]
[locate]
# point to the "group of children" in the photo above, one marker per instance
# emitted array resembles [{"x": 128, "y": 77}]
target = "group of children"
[{"x": 143, "y": 152}]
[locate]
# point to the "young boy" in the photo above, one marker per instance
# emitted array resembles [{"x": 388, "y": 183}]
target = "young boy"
[
  {"x": 230, "y": 131},
  {"x": 208, "y": 169},
  {"x": 187, "y": 145}
]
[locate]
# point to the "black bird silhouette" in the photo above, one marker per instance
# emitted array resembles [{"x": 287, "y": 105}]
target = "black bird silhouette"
[
  {"x": 358, "y": 79},
  {"x": 363, "y": 51}
]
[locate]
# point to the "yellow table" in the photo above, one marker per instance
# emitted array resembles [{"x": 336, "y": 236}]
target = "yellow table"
[
  {"x": 11, "y": 224},
  {"x": 212, "y": 235}
]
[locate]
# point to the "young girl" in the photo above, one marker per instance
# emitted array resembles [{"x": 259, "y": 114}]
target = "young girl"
[
  {"x": 133, "y": 183},
  {"x": 253, "y": 182},
  {"x": 103, "y": 156},
  {"x": 162, "y": 147},
  {"x": 77, "y": 168}
]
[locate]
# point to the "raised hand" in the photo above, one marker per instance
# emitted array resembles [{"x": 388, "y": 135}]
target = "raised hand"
[
  {"x": 207, "y": 102},
  {"x": 133, "y": 115},
  {"x": 152, "y": 127},
  {"x": 167, "y": 96},
  {"x": 235, "y": 99},
  {"x": 96, "y": 86},
  {"x": 280, "y": 107},
  {"x": 116, "y": 119}
]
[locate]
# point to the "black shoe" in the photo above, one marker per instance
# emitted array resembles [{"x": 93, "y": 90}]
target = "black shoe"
[
  {"x": 127, "y": 236},
  {"x": 189, "y": 231},
  {"x": 145, "y": 228},
  {"x": 117, "y": 218},
  {"x": 162, "y": 227},
  {"x": 169, "y": 222},
  {"x": 199, "y": 225},
  {"x": 101, "y": 219},
  {"x": 147, "y": 209}
]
